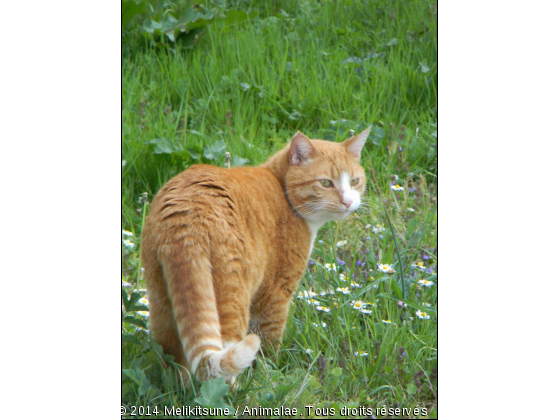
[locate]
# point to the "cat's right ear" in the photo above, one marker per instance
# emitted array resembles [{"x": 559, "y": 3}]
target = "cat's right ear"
[{"x": 301, "y": 149}]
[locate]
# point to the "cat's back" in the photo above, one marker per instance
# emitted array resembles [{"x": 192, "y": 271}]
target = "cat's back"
[{"x": 213, "y": 199}]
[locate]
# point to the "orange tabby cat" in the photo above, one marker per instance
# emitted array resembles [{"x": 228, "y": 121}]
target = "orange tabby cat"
[{"x": 224, "y": 249}]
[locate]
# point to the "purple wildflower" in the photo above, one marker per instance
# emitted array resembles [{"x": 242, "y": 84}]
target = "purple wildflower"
[
  {"x": 412, "y": 189},
  {"x": 311, "y": 262},
  {"x": 340, "y": 262},
  {"x": 380, "y": 236},
  {"x": 425, "y": 257}
]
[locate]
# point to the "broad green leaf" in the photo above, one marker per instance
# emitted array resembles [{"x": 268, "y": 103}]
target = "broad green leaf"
[
  {"x": 130, "y": 9},
  {"x": 239, "y": 161},
  {"x": 164, "y": 146},
  {"x": 135, "y": 321},
  {"x": 336, "y": 372},
  {"x": 377, "y": 135},
  {"x": 411, "y": 388},
  {"x": 212, "y": 394},
  {"x": 214, "y": 151}
]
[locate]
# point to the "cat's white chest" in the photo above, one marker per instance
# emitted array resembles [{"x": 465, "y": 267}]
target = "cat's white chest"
[{"x": 313, "y": 228}]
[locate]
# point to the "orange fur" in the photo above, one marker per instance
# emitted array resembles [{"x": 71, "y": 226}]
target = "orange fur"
[{"x": 224, "y": 249}]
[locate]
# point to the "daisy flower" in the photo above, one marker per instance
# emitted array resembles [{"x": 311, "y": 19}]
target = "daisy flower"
[
  {"x": 377, "y": 228},
  {"x": 313, "y": 302},
  {"x": 343, "y": 277},
  {"x": 410, "y": 210},
  {"x": 422, "y": 315},
  {"x": 322, "y": 308},
  {"x": 425, "y": 283},
  {"x": 365, "y": 311},
  {"x": 361, "y": 353},
  {"x": 343, "y": 290},
  {"x": 386, "y": 321},
  {"x": 307, "y": 294},
  {"x": 128, "y": 244},
  {"x": 419, "y": 265},
  {"x": 317, "y": 325},
  {"x": 354, "y": 284},
  {"x": 341, "y": 243},
  {"x": 330, "y": 267},
  {"x": 397, "y": 188},
  {"x": 385, "y": 268},
  {"x": 309, "y": 351},
  {"x": 127, "y": 233},
  {"x": 358, "y": 304}
]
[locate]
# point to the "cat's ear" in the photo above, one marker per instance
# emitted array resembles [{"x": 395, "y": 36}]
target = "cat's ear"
[
  {"x": 355, "y": 144},
  {"x": 301, "y": 149}
]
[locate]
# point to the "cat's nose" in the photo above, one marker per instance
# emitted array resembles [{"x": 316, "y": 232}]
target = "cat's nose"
[{"x": 347, "y": 202}]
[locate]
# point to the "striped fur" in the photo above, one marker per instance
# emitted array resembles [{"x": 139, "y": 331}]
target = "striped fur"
[{"x": 224, "y": 249}]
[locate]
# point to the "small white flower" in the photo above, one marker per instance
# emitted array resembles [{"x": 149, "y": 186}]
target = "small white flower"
[
  {"x": 128, "y": 244},
  {"x": 343, "y": 290},
  {"x": 385, "y": 268},
  {"x": 143, "y": 313},
  {"x": 411, "y": 210},
  {"x": 365, "y": 311},
  {"x": 386, "y": 321},
  {"x": 330, "y": 267},
  {"x": 343, "y": 277},
  {"x": 127, "y": 233},
  {"x": 341, "y": 243},
  {"x": 320, "y": 241},
  {"x": 313, "y": 302},
  {"x": 307, "y": 294},
  {"x": 378, "y": 228},
  {"x": 425, "y": 283},
  {"x": 358, "y": 304},
  {"x": 419, "y": 265},
  {"x": 144, "y": 301},
  {"x": 361, "y": 353},
  {"x": 123, "y": 163},
  {"x": 397, "y": 188},
  {"x": 309, "y": 351},
  {"x": 317, "y": 325},
  {"x": 322, "y": 308},
  {"x": 422, "y": 315},
  {"x": 125, "y": 284},
  {"x": 353, "y": 284}
]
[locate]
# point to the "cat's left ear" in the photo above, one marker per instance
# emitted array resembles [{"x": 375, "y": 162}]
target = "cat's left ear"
[{"x": 355, "y": 144}]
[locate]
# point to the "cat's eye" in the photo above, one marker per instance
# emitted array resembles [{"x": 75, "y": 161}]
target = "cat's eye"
[
  {"x": 354, "y": 181},
  {"x": 327, "y": 183}
]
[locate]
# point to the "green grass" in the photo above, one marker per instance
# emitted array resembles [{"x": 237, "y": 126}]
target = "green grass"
[{"x": 323, "y": 68}]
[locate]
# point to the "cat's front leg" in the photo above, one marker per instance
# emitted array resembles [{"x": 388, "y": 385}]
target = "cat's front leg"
[{"x": 269, "y": 313}]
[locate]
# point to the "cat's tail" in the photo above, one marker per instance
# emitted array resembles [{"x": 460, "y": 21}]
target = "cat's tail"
[
  {"x": 191, "y": 290},
  {"x": 231, "y": 362}
]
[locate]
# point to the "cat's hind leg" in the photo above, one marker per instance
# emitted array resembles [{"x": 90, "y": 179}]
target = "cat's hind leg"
[{"x": 162, "y": 322}]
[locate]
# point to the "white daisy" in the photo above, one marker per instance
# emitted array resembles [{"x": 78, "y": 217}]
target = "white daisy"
[
  {"x": 127, "y": 233},
  {"x": 365, "y": 311},
  {"x": 343, "y": 277},
  {"x": 330, "y": 267},
  {"x": 361, "y": 353},
  {"x": 386, "y": 321},
  {"x": 354, "y": 284},
  {"x": 422, "y": 315},
  {"x": 128, "y": 244},
  {"x": 385, "y": 268},
  {"x": 322, "y": 308},
  {"x": 419, "y": 265},
  {"x": 341, "y": 243},
  {"x": 425, "y": 283},
  {"x": 358, "y": 304},
  {"x": 397, "y": 188},
  {"x": 309, "y": 351},
  {"x": 343, "y": 290}
]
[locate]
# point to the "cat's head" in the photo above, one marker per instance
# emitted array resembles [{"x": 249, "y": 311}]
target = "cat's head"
[{"x": 325, "y": 180}]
